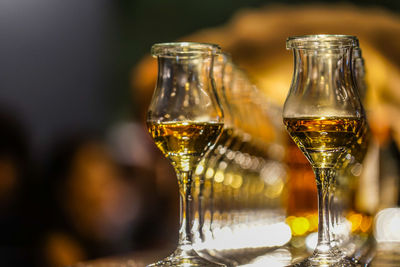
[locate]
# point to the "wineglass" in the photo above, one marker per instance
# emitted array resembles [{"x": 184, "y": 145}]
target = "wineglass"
[
  {"x": 324, "y": 116},
  {"x": 185, "y": 120},
  {"x": 208, "y": 208}
]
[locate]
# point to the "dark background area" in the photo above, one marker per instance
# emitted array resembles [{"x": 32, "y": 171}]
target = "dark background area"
[{"x": 65, "y": 82}]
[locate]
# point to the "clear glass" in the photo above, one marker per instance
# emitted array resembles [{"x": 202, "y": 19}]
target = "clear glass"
[
  {"x": 324, "y": 116},
  {"x": 207, "y": 207},
  {"x": 348, "y": 179},
  {"x": 359, "y": 72},
  {"x": 241, "y": 193},
  {"x": 185, "y": 120}
]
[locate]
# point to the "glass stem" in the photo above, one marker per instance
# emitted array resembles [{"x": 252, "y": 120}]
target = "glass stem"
[
  {"x": 336, "y": 217},
  {"x": 332, "y": 213},
  {"x": 186, "y": 221},
  {"x": 201, "y": 204},
  {"x": 324, "y": 178}
]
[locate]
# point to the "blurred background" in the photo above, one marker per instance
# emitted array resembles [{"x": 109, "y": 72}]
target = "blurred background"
[{"x": 79, "y": 176}]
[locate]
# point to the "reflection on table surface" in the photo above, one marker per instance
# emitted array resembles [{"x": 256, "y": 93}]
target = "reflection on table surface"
[
  {"x": 380, "y": 249},
  {"x": 277, "y": 257},
  {"x": 138, "y": 259},
  {"x": 268, "y": 257}
]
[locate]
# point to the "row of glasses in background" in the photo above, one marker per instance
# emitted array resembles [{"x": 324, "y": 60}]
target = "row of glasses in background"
[
  {"x": 242, "y": 180},
  {"x": 351, "y": 225},
  {"x": 324, "y": 116}
]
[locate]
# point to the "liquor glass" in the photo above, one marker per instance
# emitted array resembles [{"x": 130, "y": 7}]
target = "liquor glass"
[
  {"x": 359, "y": 72},
  {"x": 324, "y": 116},
  {"x": 185, "y": 120},
  {"x": 208, "y": 204},
  {"x": 348, "y": 180}
]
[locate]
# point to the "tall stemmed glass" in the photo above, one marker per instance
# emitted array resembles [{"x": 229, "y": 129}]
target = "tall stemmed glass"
[
  {"x": 324, "y": 116},
  {"x": 348, "y": 177},
  {"x": 185, "y": 120},
  {"x": 222, "y": 71}
]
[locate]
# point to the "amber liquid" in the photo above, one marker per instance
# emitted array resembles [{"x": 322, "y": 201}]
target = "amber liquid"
[
  {"x": 184, "y": 143},
  {"x": 325, "y": 141}
]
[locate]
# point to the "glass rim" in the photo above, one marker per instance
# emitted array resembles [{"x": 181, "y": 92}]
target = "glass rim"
[
  {"x": 184, "y": 49},
  {"x": 322, "y": 41}
]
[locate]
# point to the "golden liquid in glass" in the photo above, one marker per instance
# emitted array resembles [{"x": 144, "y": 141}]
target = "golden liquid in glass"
[
  {"x": 325, "y": 141},
  {"x": 184, "y": 143}
]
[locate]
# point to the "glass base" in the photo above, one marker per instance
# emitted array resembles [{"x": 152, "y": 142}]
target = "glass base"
[
  {"x": 327, "y": 261},
  {"x": 215, "y": 256},
  {"x": 186, "y": 258}
]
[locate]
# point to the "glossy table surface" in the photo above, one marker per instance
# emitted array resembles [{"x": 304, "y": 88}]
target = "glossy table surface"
[
  {"x": 374, "y": 255},
  {"x": 136, "y": 259}
]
